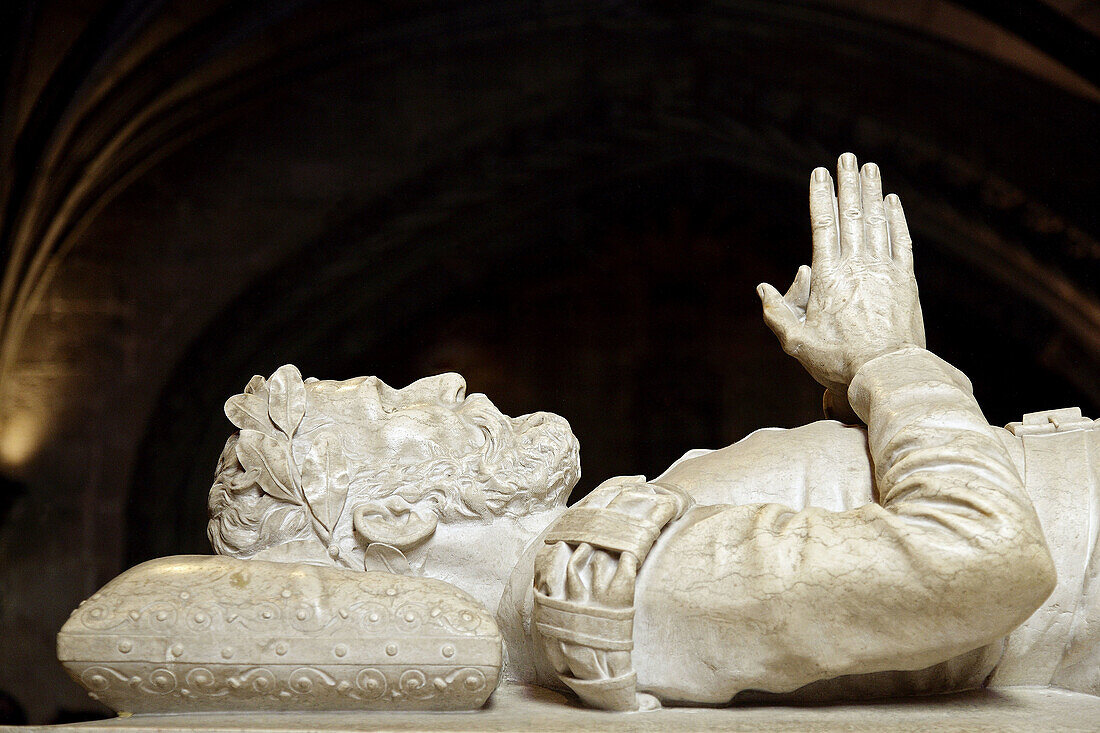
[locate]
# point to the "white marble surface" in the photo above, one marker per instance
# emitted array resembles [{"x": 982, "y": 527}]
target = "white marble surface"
[
  {"x": 720, "y": 578},
  {"x": 819, "y": 564},
  {"x": 514, "y": 708},
  {"x": 194, "y": 633}
]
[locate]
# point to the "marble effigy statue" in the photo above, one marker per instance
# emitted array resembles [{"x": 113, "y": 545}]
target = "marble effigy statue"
[{"x": 413, "y": 546}]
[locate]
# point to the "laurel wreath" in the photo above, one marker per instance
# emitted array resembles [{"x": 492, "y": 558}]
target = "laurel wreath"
[{"x": 269, "y": 414}]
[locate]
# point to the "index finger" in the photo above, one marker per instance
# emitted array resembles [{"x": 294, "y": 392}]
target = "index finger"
[
  {"x": 620, "y": 592},
  {"x": 550, "y": 565},
  {"x": 576, "y": 588},
  {"x": 826, "y": 243}
]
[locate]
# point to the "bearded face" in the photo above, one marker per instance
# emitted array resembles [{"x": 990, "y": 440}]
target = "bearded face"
[{"x": 322, "y": 469}]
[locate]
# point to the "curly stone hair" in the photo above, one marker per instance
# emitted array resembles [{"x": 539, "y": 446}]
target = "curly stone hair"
[{"x": 525, "y": 464}]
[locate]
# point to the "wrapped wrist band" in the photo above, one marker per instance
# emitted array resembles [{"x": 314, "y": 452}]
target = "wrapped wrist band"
[
  {"x": 594, "y": 626},
  {"x": 606, "y": 529}
]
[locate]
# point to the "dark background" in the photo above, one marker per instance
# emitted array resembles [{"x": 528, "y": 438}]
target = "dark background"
[{"x": 570, "y": 203}]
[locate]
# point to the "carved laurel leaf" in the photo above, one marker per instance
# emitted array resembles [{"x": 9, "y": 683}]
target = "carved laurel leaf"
[
  {"x": 270, "y": 457},
  {"x": 255, "y": 385},
  {"x": 248, "y": 411},
  {"x": 325, "y": 482},
  {"x": 386, "y": 559},
  {"x": 286, "y": 399},
  {"x": 283, "y": 523}
]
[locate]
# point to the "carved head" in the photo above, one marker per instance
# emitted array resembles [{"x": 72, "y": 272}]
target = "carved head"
[{"x": 321, "y": 469}]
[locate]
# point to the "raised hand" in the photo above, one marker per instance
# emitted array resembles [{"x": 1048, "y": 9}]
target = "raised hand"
[{"x": 858, "y": 300}]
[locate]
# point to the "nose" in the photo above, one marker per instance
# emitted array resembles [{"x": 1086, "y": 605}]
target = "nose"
[
  {"x": 535, "y": 420},
  {"x": 452, "y": 387}
]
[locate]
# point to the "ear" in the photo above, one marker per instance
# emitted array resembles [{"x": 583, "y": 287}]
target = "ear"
[{"x": 394, "y": 522}]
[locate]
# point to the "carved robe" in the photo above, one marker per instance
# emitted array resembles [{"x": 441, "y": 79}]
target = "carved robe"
[{"x": 828, "y": 561}]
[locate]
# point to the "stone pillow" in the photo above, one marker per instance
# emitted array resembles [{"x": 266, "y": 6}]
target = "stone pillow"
[{"x": 203, "y": 633}]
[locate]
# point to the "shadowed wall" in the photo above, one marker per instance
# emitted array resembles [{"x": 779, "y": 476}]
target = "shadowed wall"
[{"x": 570, "y": 204}]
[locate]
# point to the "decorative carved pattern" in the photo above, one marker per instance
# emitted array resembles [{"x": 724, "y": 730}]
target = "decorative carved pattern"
[
  {"x": 217, "y": 633},
  {"x": 287, "y": 686}
]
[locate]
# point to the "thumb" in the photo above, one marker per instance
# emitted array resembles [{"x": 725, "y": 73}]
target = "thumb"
[{"x": 777, "y": 315}]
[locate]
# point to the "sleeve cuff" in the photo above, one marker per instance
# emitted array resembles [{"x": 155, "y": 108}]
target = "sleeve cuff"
[{"x": 897, "y": 370}]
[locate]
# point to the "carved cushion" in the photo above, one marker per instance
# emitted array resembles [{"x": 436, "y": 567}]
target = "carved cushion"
[{"x": 203, "y": 633}]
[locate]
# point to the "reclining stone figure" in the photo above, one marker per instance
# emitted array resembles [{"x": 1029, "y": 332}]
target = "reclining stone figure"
[{"x": 829, "y": 561}]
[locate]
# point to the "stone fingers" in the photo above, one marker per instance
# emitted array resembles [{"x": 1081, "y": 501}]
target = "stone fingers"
[
  {"x": 620, "y": 591},
  {"x": 550, "y": 568},
  {"x": 779, "y": 316},
  {"x": 901, "y": 244},
  {"x": 875, "y": 234},
  {"x": 603, "y": 573},
  {"x": 798, "y": 295},
  {"x": 826, "y": 244},
  {"x": 576, "y": 587},
  {"x": 849, "y": 206}
]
